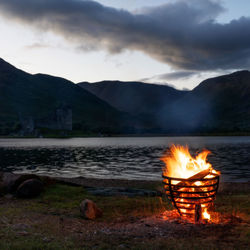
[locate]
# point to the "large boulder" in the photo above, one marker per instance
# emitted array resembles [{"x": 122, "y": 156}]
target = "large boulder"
[
  {"x": 89, "y": 210},
  {"x": 7, "y": 181},
  {"x": 29, "y": 188},
  {"x": 11, "y": 182}
]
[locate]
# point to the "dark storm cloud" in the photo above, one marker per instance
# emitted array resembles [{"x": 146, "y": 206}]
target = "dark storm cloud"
[{"x": 183, "y": 34}]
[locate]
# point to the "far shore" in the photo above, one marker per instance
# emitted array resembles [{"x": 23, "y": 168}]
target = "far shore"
[{"x": 72, "y": 135}]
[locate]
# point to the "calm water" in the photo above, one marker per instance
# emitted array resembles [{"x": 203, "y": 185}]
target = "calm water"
[{"x": 121, "y": 158}]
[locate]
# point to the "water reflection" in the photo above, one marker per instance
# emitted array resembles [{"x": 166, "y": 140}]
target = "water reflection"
[{"x": 134, "y": 159}]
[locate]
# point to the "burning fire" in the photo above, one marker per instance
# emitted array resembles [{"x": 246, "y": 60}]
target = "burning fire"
[
  {"x": 181, "y": 164},
  {"x": 195, "y": 191}
]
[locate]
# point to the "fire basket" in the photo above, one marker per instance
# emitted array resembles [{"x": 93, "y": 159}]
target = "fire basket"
[{"x": 194, "y": 195}]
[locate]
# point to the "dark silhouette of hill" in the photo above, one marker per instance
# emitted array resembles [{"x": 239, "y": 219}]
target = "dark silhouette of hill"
[
  {"x": 136, "y": 98},
  {"x": 38, "y": 95},
  {"x": 220, "y": 104},
  {"x": 217, "y": 104}
]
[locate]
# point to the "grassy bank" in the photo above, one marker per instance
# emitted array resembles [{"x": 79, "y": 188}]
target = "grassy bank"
[{"x": 53, "y": 221}]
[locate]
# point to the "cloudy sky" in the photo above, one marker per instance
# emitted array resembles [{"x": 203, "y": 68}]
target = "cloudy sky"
[{"x": 179, "y": 42}]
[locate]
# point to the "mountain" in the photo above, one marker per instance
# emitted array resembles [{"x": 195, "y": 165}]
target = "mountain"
[
  {"x": 220, "y": 104},
  {"x": 217, "y": 104},
  {"x": 136, "y": 98},
  {"x": 39, "y": 95},
  {"x": 149, "y": 102}
]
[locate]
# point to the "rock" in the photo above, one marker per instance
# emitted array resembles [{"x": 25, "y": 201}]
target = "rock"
[
  {"x": 1, "y": 175},
  {"x": 8, "y": 182},
  {"x": 29, "y": 188},
  {"x": 2, "y": 191},
  {"x": 20, "y": 227},
  {"x": 23, "y": 233},
  {"x": 45, "y": 239},
  {"x": 8, "y": 196},
  {"x": 89, "y": 210},
  {"x": 123, "y": 246},
  {"x": 12, "y": 181}
]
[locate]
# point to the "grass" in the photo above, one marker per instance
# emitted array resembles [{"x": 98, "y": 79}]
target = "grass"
[
  {"x": 11, "y": 240},
  {"x": 53, "y": 221},
  {"x": 66, "y": 199},
  {"x": 237, "y": 204}
]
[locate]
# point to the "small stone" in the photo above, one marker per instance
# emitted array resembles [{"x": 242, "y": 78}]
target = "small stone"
[
  {"x": 45, "y": 239},
  {"x": 8, "y": 196},
  {"x": 89, "y": 210},
  {"x": 29, "y": 188},
  {"x": 20, "y": 227},
  {"x": 122, "y": 246},
  {"x": 23, "y": 233},
  {"x": 2, "y": 191}
]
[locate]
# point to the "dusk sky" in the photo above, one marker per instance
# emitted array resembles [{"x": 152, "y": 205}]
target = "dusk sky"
[{"x": 179, "y": 42}]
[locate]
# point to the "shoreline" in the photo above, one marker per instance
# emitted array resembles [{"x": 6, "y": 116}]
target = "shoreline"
[
  {"x": 94, "y": 182},
  {"x": 124, "y": 183},
  {"x": 89, "y": 182},
  {"x": 128, "y": 135}
]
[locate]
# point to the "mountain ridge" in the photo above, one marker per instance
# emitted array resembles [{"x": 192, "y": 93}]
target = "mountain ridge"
[
  {"x": 207, "y": 107},
  {"x": 133, "y": 97},
  {"x": 37, "y": 95},
  {"x": 114, "y": 107}
]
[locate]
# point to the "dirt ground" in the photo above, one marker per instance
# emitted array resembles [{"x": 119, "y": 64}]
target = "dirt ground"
[{"x": 53, "y": 221}]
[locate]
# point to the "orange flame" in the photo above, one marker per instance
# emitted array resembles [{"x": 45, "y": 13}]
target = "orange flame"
[{"x": 181, "y": 164}]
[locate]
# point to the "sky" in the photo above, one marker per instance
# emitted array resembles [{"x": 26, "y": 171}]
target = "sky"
[{"x": 175, "y": 42}]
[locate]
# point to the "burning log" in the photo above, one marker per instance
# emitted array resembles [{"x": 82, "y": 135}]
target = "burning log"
[
  {"x": 199, "y": 176},
  {"x": 190, "y": 181}
]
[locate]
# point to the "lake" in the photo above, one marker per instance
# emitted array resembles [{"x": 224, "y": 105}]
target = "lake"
[{"x": 120, "y": 158}]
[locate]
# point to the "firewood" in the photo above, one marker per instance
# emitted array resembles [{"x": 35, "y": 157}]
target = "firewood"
[
  {"x": 186, "y": 182},
  {"x": 199, "y": 175}
]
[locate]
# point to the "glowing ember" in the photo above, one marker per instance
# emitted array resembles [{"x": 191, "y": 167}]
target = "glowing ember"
[
  {"x": 206, "y": 215},
  {"x": 195, "y": 190}
]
